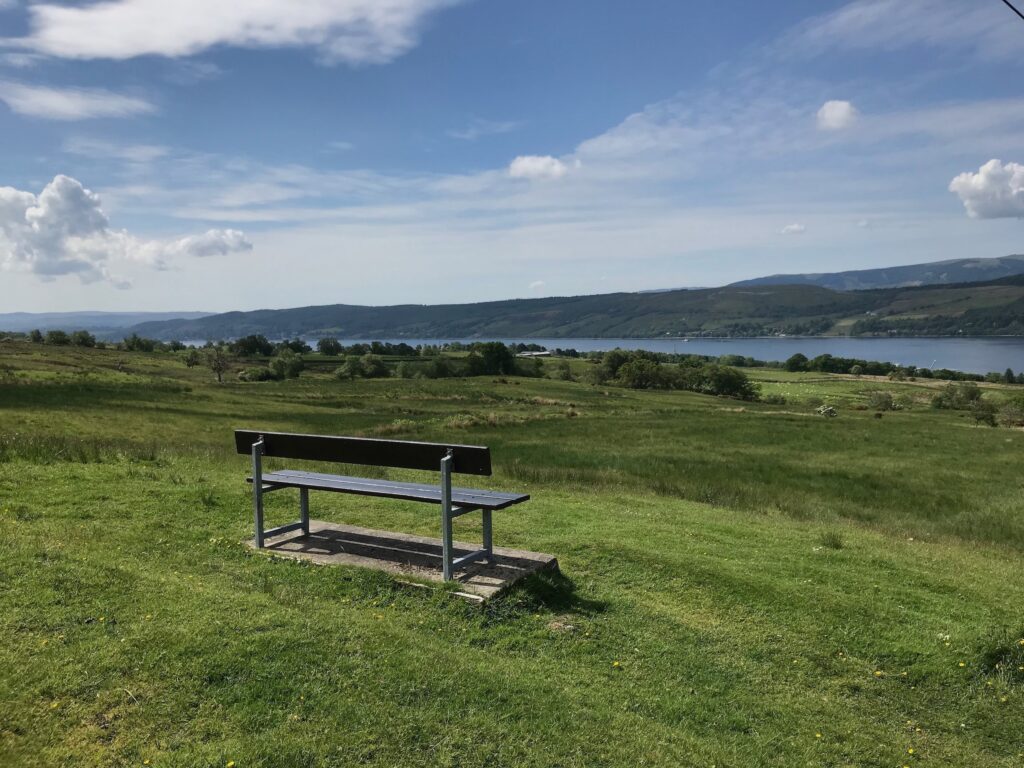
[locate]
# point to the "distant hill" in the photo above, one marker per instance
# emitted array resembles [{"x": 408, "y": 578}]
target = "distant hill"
[
  {"x": 933, "y": 273},
  {"x": 86, "y": 321},
  {"x": 992, "y": 308}
]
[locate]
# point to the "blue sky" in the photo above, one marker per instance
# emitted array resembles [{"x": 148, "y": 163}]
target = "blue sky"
[{"x": 215, "y": 155}]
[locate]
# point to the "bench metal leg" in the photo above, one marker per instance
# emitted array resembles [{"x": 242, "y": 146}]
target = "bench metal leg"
[
  {"x": 257, "y": 490},
  {"x": 304, "y": 509},
  {"x": 488, "y": 538},
  {"x": 446, "y": 517}
]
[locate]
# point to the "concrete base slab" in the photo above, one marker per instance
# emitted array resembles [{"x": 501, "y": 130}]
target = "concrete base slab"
[{"x": 407, "y": 555}]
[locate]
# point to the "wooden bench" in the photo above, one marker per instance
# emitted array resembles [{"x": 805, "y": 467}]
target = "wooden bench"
[{"x": 448, "y": 459}]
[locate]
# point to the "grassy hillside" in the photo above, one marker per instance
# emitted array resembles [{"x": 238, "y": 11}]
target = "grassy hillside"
[
  {"x": 970, "y": 309},
  {"x": 744, "y": 584},
  {"x": 932, "y": 273}
]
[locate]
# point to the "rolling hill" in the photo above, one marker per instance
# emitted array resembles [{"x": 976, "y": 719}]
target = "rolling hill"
[
  {"x": 991, "y": 308},
  {"x": 932, "y": 273}
]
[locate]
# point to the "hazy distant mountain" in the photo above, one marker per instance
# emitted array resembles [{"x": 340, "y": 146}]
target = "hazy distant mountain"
[
  {"x": 86, "y": 321},
  {"x": 932, "y": 273},
  {"x": 991, "y": 308}
]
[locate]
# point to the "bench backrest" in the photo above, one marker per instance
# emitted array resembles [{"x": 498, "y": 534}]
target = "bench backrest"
[{"x": 466, "y": 459}]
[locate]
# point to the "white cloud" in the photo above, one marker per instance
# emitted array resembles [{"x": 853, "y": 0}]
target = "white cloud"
[
  {"x": 478, "y": 128},
  {"x": 996, "y": 191},
  {"x": 70, "y": 103},
  {"x": 537, "y": 167},
  {"x": 215, "y": 242},
  {"x": 64, "y": 231},
  {"x": 537, "y": 286},
  {"x": 836, "y": 115},
  {"x": 985, "y": 30},
  {"x": 130, "y": 153},
  {"x": 793, "y": 229},
  {"x": 352, "y": 31}
]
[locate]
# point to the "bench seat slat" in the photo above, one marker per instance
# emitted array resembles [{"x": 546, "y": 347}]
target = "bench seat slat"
[{"x": 363, "y": 486}]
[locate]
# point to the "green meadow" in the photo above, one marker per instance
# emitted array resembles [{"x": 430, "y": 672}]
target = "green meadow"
[{"x": 742, "y": 583}]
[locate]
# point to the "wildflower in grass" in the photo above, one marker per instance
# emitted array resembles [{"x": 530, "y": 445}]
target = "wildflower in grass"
[
  {"x": 616, "y": 664},
  {"x": 817, "y": 735},
  {"x": 230, "y": 764},
  {"x": 878, "y": 673},
  {"x": 910, "y": 751}
]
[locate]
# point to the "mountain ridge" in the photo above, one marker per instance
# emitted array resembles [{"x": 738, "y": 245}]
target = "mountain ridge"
[{"x": 948, "y": 272}]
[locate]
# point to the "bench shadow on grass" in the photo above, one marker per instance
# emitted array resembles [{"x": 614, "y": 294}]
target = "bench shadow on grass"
[{"x": 548, "y": 590}]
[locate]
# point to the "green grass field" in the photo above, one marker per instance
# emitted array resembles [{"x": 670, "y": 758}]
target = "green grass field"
[{"x": 743, "y": 584}]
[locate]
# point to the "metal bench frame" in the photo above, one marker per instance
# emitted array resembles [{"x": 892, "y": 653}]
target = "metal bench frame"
[{"x": 448, "y": 513}]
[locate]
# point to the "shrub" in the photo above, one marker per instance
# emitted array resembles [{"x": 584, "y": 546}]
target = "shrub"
[
  {"x": 374, "y": 367},
  {"x": 881, "y": 401},
  {"x": 57, "y": 338},
  {"x": 256, "y": 374},
  {"x": 983, "y": 412},
  {"x": 719, "y": 380},
  {"x": 957, "y": 397},
  {"x": 83, "y": 339},
  {"x": 774, "y": 399},
  {"x": 405, "y": 370},
  {"x": 640, "y": 373},
  {"x": 1012, "y": 413},
  {"x": 287, "y": 364}
]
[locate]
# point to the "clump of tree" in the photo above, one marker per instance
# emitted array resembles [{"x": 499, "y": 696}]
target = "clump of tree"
[
  {"x": 255, "y": 345},
  {"x": 960, "y": 396},
  {"x": 367, "y": 366},
  {"x": 329, "y": 347},
  {"x": 644, "y": 370}
]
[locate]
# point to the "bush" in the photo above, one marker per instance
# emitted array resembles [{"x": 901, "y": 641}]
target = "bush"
[
  {"x": 1012, "y": 413},
  {"x": 57, "y": 338},
  {"x": 719, "y": 380},
  {"x": 957, "y": 397},
  {"x": 641, "y": 373},
  {"x": 287, "y": 364},
  {"x": 374, "y": 367},
  {"x": 83, "y": 339},
  {"x": 405, "y": 370},
  {"x": 774, "y": 399},
  {"x": 983, "y": 412},
  {"x": 881, "y": 401},
  {"x": 256, "y": 374}
]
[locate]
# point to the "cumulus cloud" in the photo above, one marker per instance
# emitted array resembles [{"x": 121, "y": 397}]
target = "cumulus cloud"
[
  {"x": 537, "y": 167},
  {"x": 836, "y": 115},
  {"x": 538, "y": 286},
  {"x": 64, "y": 231},
  {"x": 352, "y": 31},
  {"x": 70, "y": 103},
  {"x": 996, "y": 191},
  {"x": 793, "y": 229}
]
